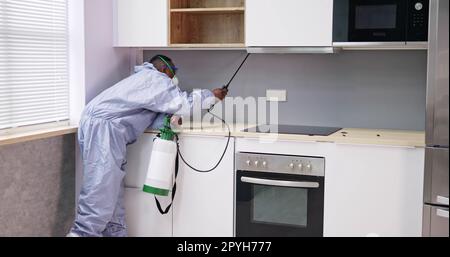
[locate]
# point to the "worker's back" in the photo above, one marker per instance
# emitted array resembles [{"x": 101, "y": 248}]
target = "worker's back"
[{"x": 127, "y": 103}]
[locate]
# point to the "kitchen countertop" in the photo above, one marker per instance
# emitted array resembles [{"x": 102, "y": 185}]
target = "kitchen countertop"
[{"x": 404, "y": 138}]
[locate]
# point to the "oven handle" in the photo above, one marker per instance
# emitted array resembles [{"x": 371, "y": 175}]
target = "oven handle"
[{"x": 280, "y": 183}]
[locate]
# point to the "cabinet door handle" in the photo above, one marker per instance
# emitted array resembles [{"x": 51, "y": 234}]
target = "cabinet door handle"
[
  {"x": 442, "y": 213},
  {"x": 280, "y": 183},
  {"x": 442, "y": 200}
]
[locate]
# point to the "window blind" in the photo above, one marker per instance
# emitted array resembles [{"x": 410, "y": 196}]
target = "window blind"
[{"x": 34, "y": 79}]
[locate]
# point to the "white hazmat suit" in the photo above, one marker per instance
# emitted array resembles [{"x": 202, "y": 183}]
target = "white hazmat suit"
[{"x": 110, "y": 122}]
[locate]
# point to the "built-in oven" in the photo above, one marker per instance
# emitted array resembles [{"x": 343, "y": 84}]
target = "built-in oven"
[
  {"x": 279, "y": 195},
  {"x": 380, "y": 20}
]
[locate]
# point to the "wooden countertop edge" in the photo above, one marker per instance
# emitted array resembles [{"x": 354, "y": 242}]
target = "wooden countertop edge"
[
  {"x": 9, "y": 139},
  {"x": 409, "y": 140},
  {"x": 15, "y": 138}
]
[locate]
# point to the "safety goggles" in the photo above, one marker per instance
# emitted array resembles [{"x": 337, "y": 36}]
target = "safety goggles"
[{"x": 174, "y": 69}]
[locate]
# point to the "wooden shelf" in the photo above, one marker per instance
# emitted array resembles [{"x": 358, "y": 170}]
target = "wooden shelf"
[
  {"x": 221, "y": 10},
  {"x": 206, "y": 45},
  {"x": 177, "y": 4}
]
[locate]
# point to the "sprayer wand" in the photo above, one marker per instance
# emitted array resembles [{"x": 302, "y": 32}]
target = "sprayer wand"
[{"x": 237, "y": 71}]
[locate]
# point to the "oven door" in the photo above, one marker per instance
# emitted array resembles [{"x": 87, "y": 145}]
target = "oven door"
[
  {"x": 377, "y": 20},
  {"x": 279, "y": 205}
]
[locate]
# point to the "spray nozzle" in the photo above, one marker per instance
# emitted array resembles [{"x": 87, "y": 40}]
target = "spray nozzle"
[{"x": 167, "y": 132}]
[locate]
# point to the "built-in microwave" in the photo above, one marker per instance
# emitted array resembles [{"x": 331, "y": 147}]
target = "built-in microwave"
[{"x": 380, "y": 20}]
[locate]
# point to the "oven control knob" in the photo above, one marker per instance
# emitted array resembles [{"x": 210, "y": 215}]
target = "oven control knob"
[
  {"x": 309, "y": 167},
  {"x": 249, "y": 163},
  {"x": 419, "y": 6},
  {"x": 256, "y": 163},
  {"x": 292, "y": 165},
  {"x": 300, "y": 166},
  {"x": 264, "y": 164}
]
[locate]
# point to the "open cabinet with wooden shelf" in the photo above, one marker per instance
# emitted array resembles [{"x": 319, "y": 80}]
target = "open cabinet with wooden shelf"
[{"x": 207, "y": 23}]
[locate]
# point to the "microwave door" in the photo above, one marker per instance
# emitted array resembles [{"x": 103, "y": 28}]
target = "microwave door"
[
  {"x": 377, "y": 21},
  {"x": 438, "y": 76}
]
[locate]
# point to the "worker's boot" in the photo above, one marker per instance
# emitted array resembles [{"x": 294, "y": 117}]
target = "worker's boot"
[{"x": 71, "y": 234}]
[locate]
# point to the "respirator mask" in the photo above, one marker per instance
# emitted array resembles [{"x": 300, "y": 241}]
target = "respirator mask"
[{"x": 175, "y": 81}]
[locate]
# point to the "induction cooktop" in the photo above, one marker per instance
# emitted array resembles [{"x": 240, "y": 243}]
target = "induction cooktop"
[{"x": 295, "y": 130}]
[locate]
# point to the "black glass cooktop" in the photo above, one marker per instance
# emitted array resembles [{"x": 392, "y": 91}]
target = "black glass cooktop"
[{"x": 295, "y": 130}]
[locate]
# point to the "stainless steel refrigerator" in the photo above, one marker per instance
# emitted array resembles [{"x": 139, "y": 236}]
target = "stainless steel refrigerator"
[{"x": 435, "y": 218}]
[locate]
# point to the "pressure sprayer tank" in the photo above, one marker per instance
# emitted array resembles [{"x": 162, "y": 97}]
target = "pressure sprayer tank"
[{"x": 161, "y": 170}]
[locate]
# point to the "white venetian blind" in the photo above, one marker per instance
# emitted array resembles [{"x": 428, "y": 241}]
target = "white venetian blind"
[{"x": 34, "y": 84}]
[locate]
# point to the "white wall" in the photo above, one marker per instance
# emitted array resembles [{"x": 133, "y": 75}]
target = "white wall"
[
  {"x": 105, "y": 65},
  {"x": 76, "y": 59}
]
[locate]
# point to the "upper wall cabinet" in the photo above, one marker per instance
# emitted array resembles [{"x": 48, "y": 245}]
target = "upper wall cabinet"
[
  {"x": 207, "y": 23},
  {"x": 223, "y": 23},
  {"x": 141, "y": 23},
  {"x": 289, "y": 23}
]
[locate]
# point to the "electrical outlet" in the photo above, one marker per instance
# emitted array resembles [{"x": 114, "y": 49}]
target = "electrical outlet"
[{"x": 276, "y": 95}]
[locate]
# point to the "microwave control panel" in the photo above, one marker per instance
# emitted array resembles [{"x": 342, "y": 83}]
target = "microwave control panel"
[{"x": 418, "y": 25}]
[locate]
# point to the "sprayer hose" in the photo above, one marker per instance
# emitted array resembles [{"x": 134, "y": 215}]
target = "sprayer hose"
[{"x": 223, "y": 154}]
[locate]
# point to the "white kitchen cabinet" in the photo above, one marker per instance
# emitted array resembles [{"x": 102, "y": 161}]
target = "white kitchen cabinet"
[
  {"x": 203, "y": 205},
  {"x": 374, "y": 191},
  {"x": 289, "y": 23},
  {"x": 142, "y": 216},
  {"x": 140, "y": 23},
  {"x": 204, "y": 201},
  {"x": 370, "y": 190}
]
